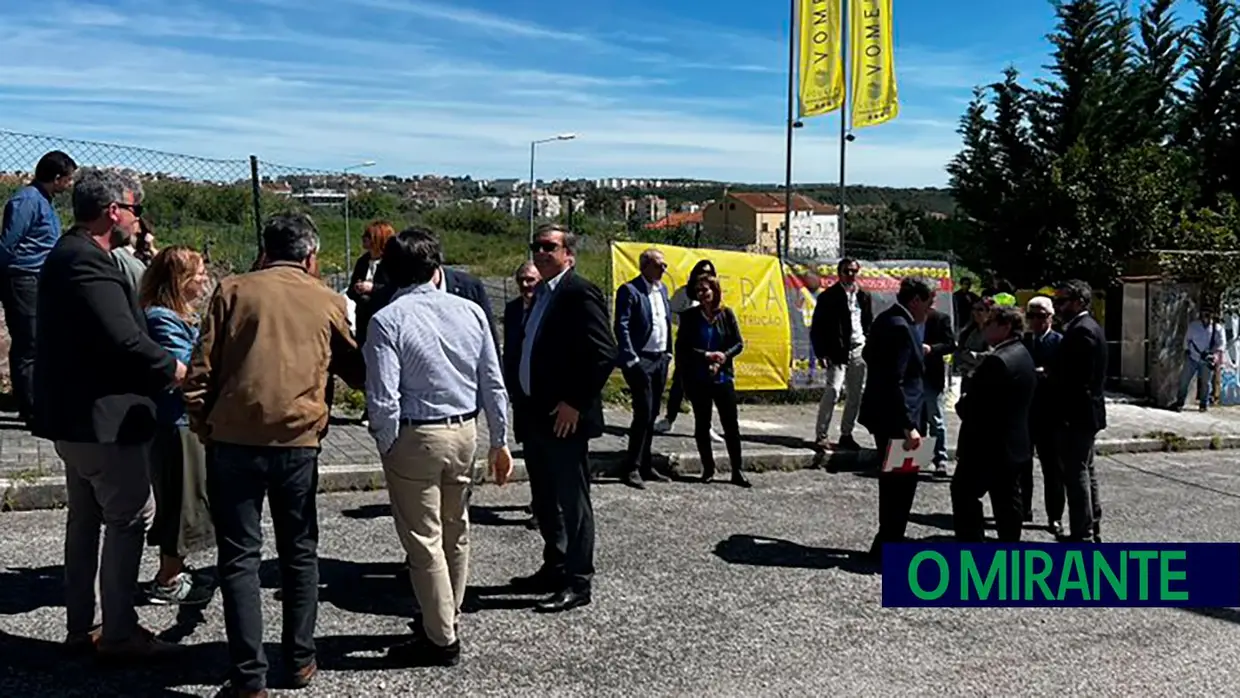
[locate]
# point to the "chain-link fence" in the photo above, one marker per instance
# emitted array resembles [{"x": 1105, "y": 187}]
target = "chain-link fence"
[{"x": 215, "y": 205}]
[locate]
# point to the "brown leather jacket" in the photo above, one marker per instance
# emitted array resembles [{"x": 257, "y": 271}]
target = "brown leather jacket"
[{"x": 260, "y": 374}]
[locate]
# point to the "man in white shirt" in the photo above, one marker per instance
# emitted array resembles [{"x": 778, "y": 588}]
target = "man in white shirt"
[
  {"x": 1203, "y": 346},
  {"x": 431, "y": 361},
  {"x": 842, "y": 318},
  {"x": 643, "y": 329}
]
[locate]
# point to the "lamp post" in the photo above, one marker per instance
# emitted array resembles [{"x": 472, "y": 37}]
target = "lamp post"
[
  {"x": 533, "y": 148},
  {"x": 348, "y": 190},
  {"x": 791, "y": 124}
]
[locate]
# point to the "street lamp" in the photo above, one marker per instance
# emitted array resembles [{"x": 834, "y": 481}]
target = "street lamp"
[
  {"x": 533, "y": 147},
  {"x": 348, "y": 189}
]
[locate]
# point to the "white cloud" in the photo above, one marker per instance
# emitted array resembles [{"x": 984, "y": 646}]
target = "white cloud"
[{"x": 418, "y": 109}]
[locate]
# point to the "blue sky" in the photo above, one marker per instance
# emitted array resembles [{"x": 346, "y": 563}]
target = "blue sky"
[{"x": 655, "y": 88}]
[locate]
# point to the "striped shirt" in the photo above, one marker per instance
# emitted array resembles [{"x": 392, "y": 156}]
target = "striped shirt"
[{"x": 430, "y": 355}]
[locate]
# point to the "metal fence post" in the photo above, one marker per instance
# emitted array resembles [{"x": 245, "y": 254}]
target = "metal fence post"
[{"x": 258, "y": 203}]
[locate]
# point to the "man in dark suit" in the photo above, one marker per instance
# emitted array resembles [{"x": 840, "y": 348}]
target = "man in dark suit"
[
  {"x": 842, "y": 319},
  {"x": 940, "y": 341},
  {"x": 455, "y": 281},
  {"x": 892, "y": 403},
  {"x": 527, "y": 279},
  {"x": 96, "y": 373},
  {"x": 1043, "y": 344},
  {"x": 567, "y": 354},
  {"x": 1079, "y": 380},
  {"x": 644, "y": 337},
  {"x": 994, "y": 433}
]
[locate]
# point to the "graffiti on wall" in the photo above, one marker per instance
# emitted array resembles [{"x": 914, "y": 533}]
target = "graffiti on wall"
[{"x": 1227, "y": 377}]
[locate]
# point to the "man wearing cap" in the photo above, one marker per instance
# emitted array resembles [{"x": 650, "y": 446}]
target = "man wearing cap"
[{"x": 1043, "y": 344}]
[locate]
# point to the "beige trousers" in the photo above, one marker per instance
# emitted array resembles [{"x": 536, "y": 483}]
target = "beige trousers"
[{"x": 428, "y": 473}]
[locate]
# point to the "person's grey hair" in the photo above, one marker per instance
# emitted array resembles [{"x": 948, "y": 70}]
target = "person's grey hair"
[
  {"x": 1076, "y": 290},
  {"x": 915, "y": 287},
  {"x": 648, "y": 256},
  {"x": 527, "y": 265},
  {"x": 570, "y": 238},
  {"x": 290, "y": 237},
  {"x": 95, "y": 189}
]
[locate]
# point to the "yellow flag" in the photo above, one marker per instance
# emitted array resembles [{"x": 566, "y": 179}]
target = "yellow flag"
[
  {"x": 874, "y": 95},
  {"x": 822, "y": 56}
]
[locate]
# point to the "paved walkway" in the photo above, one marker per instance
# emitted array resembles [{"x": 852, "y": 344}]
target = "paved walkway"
[
  {"x": 776, "y": 437},
  {"x": 701, "y": 590}
]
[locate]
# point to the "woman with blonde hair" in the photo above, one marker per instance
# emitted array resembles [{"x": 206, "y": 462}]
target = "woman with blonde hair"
[{"x": 171, "y": 290}]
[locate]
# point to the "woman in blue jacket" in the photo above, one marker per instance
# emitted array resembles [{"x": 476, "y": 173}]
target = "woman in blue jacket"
[{"x": 171, "y": 290}]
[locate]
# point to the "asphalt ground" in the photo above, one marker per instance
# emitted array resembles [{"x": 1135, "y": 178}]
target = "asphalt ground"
[{"x": 702, "y": 590}]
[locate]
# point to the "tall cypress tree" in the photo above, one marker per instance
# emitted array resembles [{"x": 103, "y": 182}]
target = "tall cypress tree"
[{"x": 1210, "y": 96}]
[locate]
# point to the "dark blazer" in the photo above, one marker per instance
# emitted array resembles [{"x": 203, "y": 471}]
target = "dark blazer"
[
  {"x": 97, "y": 372},
  {"x": 573, "y": 355},
  {"x": 635, "y": 319},
  {"x": 994, "y": 414},
  {"x": 1079, "y": 376},
  {"x": 514, "y": 334},
  {"x": 691, "y": 355},
  {"x": 892, "y": 401},
  {"x": 367, "y": 304},
  {"x": 457, "y": 282},
  {"x": 830, "y": 331},
  {"x": 942, "y": 341},
  {"x": 1045, "y": 352}
]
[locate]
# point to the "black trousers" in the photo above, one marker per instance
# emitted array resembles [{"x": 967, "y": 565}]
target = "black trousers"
[
  {"x": 559, "y": 472},
  {"x": 896, "y": 492},
  {"x": 19, "y": 295},
  {"x": 1076, "y": 454},
  {"x": 1053, "y": 491},
  {"x": 722, "y": 396},
  {"x": 972, "y": 481},
  {"x": 238, "y": 479},
  {"x": 675, "y": 396},
  {"x": 646, "y": 381}
]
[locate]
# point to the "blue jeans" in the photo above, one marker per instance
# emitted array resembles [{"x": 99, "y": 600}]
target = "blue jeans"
[
  {"x": 933, "y": 423},
  {"x": 1205, "y": 377},
  {"x": 238, "y": 479}
]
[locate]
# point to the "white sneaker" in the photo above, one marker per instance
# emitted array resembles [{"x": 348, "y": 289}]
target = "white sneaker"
[{"x": 662, "y": 426}]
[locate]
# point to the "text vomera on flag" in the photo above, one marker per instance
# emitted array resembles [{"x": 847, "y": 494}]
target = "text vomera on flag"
[
  {"x": 822, "y": 57},
  {"x": 874, "y": 96}
]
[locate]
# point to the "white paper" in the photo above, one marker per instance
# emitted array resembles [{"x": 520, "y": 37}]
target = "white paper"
[{"x": 899, "y": 460}]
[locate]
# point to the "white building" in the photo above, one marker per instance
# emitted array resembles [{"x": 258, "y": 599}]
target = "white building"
[{"x": 815, "y": 235}]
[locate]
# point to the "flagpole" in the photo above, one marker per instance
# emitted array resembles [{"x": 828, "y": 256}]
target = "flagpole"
[
  {"x": 792, "y": 46},
  {"x": 843, "y": 113}
]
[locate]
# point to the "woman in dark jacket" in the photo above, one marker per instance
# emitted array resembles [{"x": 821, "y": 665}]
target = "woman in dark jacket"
[
  {"x": 369, "y": 277},
  {"x": 682, "y": 300},
  {"x": 708, "y": 340}
]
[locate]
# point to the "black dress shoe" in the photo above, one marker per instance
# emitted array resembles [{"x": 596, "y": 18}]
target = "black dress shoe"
[
  {"x": 421, "y": 652},
  {"x": 565, "y": 600},
  {"x": 633, "y": 480},
  {"x": 708, "y": 474},
  {"x": 544, "y": 581},
  {"x": 739, "y": 480},
  {"x": 1056, "y": 529}
]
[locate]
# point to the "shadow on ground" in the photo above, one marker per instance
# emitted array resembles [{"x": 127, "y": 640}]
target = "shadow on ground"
[{"x": 761, "y": 551}]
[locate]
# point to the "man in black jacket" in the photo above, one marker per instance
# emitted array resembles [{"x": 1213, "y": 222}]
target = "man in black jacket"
[
  {"x": 527, "y": 279},
  {"x": 96, "y": 373},
  {"x": 455, "y": 281},
  {"x": 842, "y": 319},
  {"x": 940, "y": 341},
  {"x": 1042, "y": 341},
  {"x": 1079, "y": 382},
  {"x": 567, "y": 354},
  {"x": 892, "y": 403},
  {"x": 994, "y": 433}
]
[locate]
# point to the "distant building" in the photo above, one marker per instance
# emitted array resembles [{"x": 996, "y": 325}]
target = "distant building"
[
  {"x": 753, "y": 221},
  {"x": 650, "y": 208},
  {"x": 677, "y": 220},
  {"x": 321, "y": 197}
]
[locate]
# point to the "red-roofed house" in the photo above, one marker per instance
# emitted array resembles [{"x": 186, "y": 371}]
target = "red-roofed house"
[
  {"x": 677, "y": 220},
  {"x": 754, "y": 219}
]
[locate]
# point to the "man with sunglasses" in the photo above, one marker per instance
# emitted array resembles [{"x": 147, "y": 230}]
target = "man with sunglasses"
[
  {"x": 843, "y": 315},
  {"x": 97, "y": 374},
  {"x": 1042, "y": 341},
  {"x": 643, "y": 329},
  {"x": 567, "y": 354}
]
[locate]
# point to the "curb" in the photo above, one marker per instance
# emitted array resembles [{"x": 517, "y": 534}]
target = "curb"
[{"x": 49, "y": 492}]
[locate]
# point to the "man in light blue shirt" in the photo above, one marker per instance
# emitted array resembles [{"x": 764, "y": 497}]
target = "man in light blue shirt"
[
  {"x": 431, "y": 361},
  {"x": 29, "y": 230}
]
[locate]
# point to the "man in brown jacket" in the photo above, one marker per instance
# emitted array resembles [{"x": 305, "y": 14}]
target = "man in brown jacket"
[{"x": 257, "y": 394}]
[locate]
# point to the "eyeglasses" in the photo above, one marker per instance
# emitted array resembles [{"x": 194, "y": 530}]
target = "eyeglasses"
[
  {"x": 544, "y": 246},
  {"x": 135, "y": 208},
  {"x": 1040, "y": 316},
  {"x": 852, "y": 271}
]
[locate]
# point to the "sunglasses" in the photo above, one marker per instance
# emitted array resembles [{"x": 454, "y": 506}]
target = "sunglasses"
[
  {"x": 135, "y": 208},
  {"x": 852, "y": 271},
  {"x": 1042, "y": 316},
  {"x": 544, "y": 246}
]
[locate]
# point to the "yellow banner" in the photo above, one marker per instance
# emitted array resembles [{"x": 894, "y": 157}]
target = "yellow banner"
[
  {"x": 822, "y": 56},
  {"x": 874, "y": 94},
  {"x": 753, "y": 288}
]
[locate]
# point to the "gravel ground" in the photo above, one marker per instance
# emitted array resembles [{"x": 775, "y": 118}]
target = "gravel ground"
[{"x": 701, "y": 591}]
